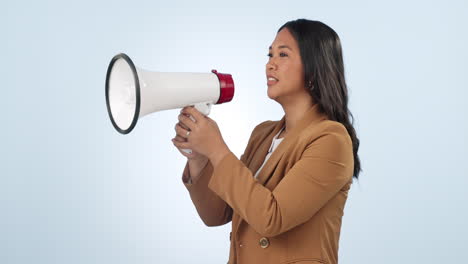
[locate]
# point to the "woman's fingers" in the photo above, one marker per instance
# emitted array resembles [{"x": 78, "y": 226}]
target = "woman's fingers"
[
  {"x": 180, "y": 131},
  {"x": 181, "y": 144},
  {"x": 190, "y": 110},
  {"x": 180, "y": 141},
  {"x": 184, "y": 153},
  {"x": 187, "y": 121},
  {"x": 184, "y": 126},
  {"x": 179, "y": 138}
]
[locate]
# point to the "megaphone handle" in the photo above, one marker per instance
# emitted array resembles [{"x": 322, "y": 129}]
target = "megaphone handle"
[{"x": 204, "y": 108}]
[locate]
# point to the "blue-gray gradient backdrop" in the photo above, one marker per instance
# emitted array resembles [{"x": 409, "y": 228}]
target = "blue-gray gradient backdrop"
[{"x": 73, "y": 190}]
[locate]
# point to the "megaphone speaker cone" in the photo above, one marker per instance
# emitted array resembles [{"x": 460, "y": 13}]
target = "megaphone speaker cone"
[{"x": 123, "y": 95}]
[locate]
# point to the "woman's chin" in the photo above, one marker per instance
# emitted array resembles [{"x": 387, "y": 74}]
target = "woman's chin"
[
  {"x": 271, "y": 93},
  {"x": 274, "y": 96}
]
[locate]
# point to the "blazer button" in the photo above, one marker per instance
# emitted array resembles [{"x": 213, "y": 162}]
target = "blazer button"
[
  {"x": 230, "y": 235},
  {"x": 264, "y": 243}
]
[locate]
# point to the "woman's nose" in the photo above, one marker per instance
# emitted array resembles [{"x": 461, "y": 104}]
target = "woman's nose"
[{"x": 271, "y": 65}]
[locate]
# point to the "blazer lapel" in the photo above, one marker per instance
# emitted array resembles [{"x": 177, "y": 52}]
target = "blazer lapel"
[
  {"x": 264, "y": 145},
  {"x": 310, "y": 116},
  {"x": 256, "y": 159}
]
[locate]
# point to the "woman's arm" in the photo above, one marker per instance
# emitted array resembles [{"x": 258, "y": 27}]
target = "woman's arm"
[
  {"x": 213, "y": 210},
  {"x": 325, "y": 167},
  {"x": 210, "y": 207},
  {"x": 195, "y": 168}
]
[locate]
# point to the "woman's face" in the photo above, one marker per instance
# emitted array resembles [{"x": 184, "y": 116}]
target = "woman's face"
[{"x": 284, "y": 70}]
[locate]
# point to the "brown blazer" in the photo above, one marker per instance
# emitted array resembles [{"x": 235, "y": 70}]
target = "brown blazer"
[{"x": 292, "y": 212}]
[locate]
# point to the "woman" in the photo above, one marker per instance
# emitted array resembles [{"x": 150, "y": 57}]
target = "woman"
[{"x": 285, "y": 200}]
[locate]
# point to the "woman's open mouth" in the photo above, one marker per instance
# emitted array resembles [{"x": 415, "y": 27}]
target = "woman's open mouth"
[{"x": 271, "y": 80}]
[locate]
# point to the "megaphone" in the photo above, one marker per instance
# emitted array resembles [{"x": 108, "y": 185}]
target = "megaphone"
[{"x": 132, "y": 93}]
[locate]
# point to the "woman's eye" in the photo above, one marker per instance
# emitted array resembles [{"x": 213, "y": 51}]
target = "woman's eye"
[{"x": 282, "y": 54}]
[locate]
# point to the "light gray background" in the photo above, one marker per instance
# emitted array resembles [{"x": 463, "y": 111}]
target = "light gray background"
[{"x": 73, "y": 190}]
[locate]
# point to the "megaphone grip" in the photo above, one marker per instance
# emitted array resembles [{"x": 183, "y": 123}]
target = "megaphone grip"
[{"x": 205, "y": 109}]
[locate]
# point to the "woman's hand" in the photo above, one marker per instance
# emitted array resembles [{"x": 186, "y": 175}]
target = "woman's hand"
[
  {"x": 182, "y": 129},
  {"x": 204, "y": 137},
  {"x": 196, "y": 161}
]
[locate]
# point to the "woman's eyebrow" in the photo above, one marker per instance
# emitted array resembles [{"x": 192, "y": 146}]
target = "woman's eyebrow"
[{"x": 282, "y": 47}]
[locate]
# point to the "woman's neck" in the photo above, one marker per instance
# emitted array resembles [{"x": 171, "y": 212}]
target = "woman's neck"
[{"x": 293, "y": 113}]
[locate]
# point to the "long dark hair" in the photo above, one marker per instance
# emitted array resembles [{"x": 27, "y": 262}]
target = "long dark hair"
[{"x": 322, "y": 58}]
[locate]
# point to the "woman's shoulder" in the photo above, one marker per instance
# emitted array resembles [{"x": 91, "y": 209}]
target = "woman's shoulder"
[
  {"x": 262, "y": 129},
  {"x": 264, "y": 126},
  {"x": 330, "y": 126},
  {"x": 312, "y": 132},
  {"x": 325, "y": 126},
  {"x": 327, "y": 129}
]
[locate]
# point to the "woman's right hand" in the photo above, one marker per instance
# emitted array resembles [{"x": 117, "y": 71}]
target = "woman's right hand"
[
  {"x": 181, "y": 130},
  {"x": 196, "y": 160}
]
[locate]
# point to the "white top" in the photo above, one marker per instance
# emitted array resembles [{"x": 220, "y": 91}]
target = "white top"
[{"x": 274, "y": 144}]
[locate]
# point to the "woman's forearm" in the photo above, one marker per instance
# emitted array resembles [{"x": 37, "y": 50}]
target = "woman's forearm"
[
  {"x": 196, "y": 166},
  {"x": 211, "y": 209}
]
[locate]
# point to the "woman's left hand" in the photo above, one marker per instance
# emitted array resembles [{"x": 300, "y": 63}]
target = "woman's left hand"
[{"x": 204, "y": 137}]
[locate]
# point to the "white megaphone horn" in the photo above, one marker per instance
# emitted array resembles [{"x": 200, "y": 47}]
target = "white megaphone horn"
[{"x": 132, "y": 92}]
